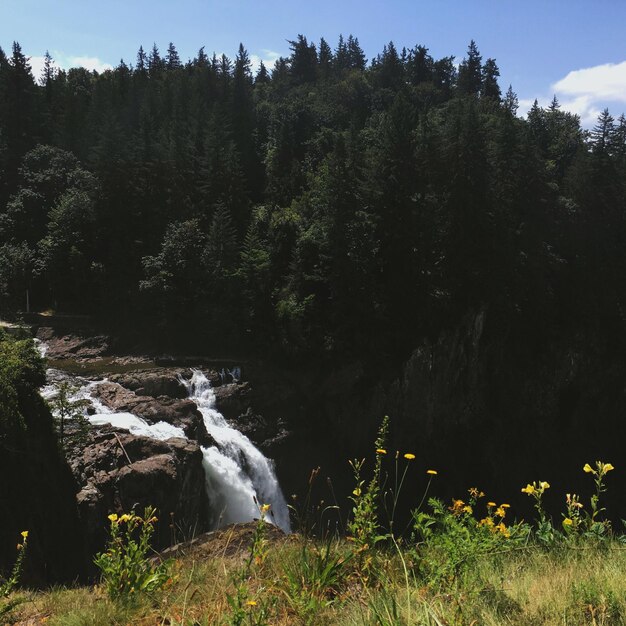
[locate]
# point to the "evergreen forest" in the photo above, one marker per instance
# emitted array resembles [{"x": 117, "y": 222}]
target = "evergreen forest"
[{"x": 331, "y": 206}]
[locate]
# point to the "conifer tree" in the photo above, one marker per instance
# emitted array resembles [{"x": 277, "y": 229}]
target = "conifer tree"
[
  {"x": 172, "y": 60},
  {"x": 470, "y": 72},
  {"x": 489, "y": 81}
]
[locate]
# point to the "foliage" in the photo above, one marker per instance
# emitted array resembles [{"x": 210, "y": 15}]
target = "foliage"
[
  {"x": 126, "y": 567},
  {"x": 313, "y": 581},
  {"x": 8, "y": 585},
  {"x": 244, "y": 609},
  {"x": 65, "y": 408},
  {"x": 450, "y": 539},
  {"x": 412, "y": 190},
  {"x": 467, "y": 563},
  {"x": 364, "y": 526}
]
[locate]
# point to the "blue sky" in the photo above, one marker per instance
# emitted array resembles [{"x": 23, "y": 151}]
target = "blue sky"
[{"x": 574, "y": 48}]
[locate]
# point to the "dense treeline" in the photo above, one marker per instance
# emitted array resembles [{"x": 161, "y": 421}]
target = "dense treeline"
[{"x": 329, "y": 205}]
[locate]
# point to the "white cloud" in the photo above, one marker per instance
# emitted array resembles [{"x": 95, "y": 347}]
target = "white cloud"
[
  {"x": 36, "y": 65},
  {"x": 269, "y": 57},
  {"x": 586, "y": 92},
  {"x": 65, "y": 62},
  {"x": 89, "y": 63},
  {"x": 603, "y": 82}
]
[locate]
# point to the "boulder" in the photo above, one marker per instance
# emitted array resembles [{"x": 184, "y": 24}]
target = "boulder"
[
  {"x": 182, "y": 413},
  {"x": 119, "y": 472},
  {"x": 72, "y": 346},
  {"x": 233, "y": 399},
  {"x": 155, "y": 382}
]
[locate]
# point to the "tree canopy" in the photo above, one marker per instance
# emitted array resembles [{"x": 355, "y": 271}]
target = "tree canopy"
[{"x": 322, "y": 206}]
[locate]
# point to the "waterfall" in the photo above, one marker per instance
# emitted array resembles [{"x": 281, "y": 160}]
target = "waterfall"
[
  {"x": 103, "y": 415},
  {"x": 239, "y": 477}
]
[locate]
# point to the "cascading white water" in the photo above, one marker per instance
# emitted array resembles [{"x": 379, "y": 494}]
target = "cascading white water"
[
  {"x": 239, "y": 477},
  {"x": 103, "y": 415}
]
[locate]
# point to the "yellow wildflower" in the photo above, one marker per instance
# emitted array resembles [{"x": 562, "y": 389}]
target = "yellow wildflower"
[
  {"x": 265, "y": 508},
  {"x": 500, "y": 512},
  {"x": 567, "y": 522},
  {"x": 491, "y": 504},
  {"x": 126, "y": 517},
  {"x": 588, "y": 469},
  {"x": 505, "y": 506},
  {"x": 251, "y": 602},
  {"x": 544, "y": 485},
  {"x": 357, "y": 492},
  {"x": 432, "y": 472},
  {"x": 409, "y": 457},
  {"x": 113, "y": 517},
  {"x": 381, "y": 451},
  {"x": 503, "y": 530},
  {"x": 607, "y": 467},
  {"x": 25, "y": 534},
  {"x": 457, "y": 506},
  {"x": 467, "y": 509},
  {"x": 529, "y": 489},
  {"x": 486, "y": 521}
]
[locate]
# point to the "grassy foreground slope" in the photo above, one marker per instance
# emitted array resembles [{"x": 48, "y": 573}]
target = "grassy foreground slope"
[
  {"x": 462, "y": 562},
  {"x": 294, "y": 582}
]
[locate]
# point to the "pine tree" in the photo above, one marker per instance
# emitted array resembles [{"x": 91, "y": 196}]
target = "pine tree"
[
  {"x": 172, "y": 60},
  {"x": 390, "y": 70},
  {"x": 602, "y": 134},
  {"x": 262, "y": 76},
  {"x": 490, "y": 73},
  {"x": 221, "y": 251},
  {"x": 511, "y": 103},
  {"x": 325, "y": 58},
  {"x": 155, "y": 63},
  {"x": 303, "y": 62},
  {"x": 419, "y": 66},
  {"x": 342, "y": 59},
  {"x": 48, "y": 73},
  {"x": 470, "y": 72},
  {"x": 142, "y": 61},
  {"x": 201, "y": 60},
  {"x": 356, "y": 56}
]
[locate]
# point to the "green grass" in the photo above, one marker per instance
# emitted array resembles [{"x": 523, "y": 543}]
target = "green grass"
[
  {"x": 466, "y": 563},
  {"x": 305, "y": 582}
]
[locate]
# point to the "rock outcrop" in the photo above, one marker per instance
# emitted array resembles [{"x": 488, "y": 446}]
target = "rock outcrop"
[
  {"x": 71, "y": 346},
  {"x": 117, "y": 472},
  {"x": 178, "y": 412},
  {"x": 154, "y": 382}
]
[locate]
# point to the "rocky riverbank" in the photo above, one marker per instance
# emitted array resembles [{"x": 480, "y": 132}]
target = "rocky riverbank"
[{"x": 115, "y": 470}]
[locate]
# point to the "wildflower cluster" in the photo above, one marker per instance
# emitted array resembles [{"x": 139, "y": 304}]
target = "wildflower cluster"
[
  {"x": 364, "y": 527},
  {"x": 125, "y": 566},
  {"x": 600, "y": 471},
  {"x": 6, "y": 586},
  {"x": 494, "y": 519},
  {"x": 572, "y": 520},
  {"x": 243, "y": 608},
  {"x": 536, "y": 491},
  {"x": 575, "y": 519}
]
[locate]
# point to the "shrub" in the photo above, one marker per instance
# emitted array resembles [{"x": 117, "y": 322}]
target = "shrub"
[{"x": 125, "y": 566}]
